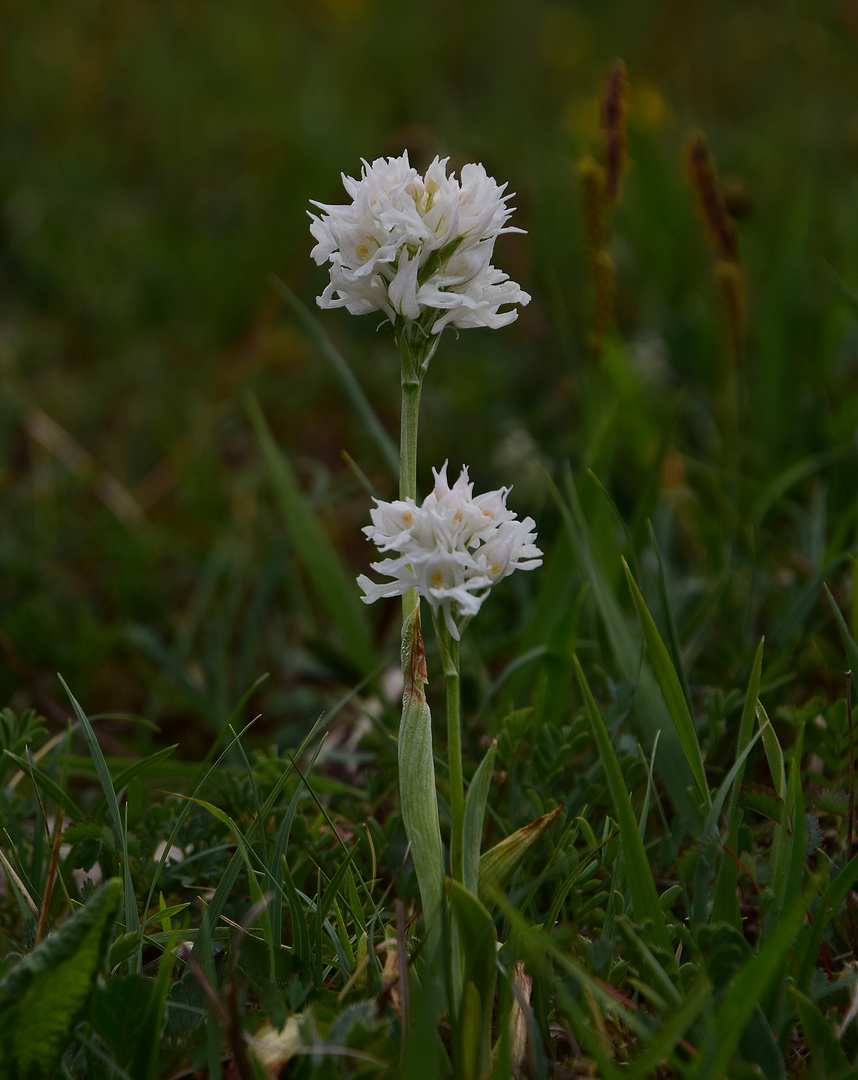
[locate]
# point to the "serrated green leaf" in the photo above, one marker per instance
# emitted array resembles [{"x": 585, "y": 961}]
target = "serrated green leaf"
[
  {"x": 831, "y": 801},
  {"x": 42, "y": 998},
  {"x": 762, "y": 801}
]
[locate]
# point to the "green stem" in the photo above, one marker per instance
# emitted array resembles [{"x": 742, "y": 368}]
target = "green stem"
[
  {"x": 408, "y": 440},
  {"x": 412, "y": 381},
  {"x": 416, "y": 760}
]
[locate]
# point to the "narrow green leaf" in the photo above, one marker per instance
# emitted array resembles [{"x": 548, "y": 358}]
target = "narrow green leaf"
[
  {"x": 124, "y": 778},
  {"x": 235, "y": 717},
  {"x": 417, "y": 774},
  {"x": 127, "y": 1014},
  {"x": 662, "y": 984},
  {"x": 163, "y": 985},
  {"x": 758, "y": 1046},
  {"x": 499, "y": 863},
  {"x": 132, "y": 916},
  {"x": 559, "y": 898},
  {"x": 326, "y": 900},
  {"x": 675, "y": 644},
  {"x": 300, "y": 929},
  {"x": 774, "y": 754},
  {"x": 795, "y": 473},
  {"x": 832, "y": 898},
  {"x": 344, "y": 373},
  {"x": 148, "y": 642},
  {"x": 280, "y": 846},
  {"x": 671, "y": 689},
  {"x": 726, "y": 904},
  {"x": 848, "y": 641},
  {"x": 638, "y": 872},
  {"x": 470, "y": 1031},
  {"x": 475, "y": 809},
  {"x": 354, "y": 905},
  {"x": 477, "y": 932},
  {"x": 788, "y": 858},
  {"x": 649, "y": 701},
  {"x": 743, "y": 992},
  {"x": 677, "y": 1021},
  {"x": 821, "y": 1041},
  {"x": 708, "y": 837},
  {"x": 43, "y": 996},
  {"x": 62, "y": 798},
  {"x": 334, "y": 584},
  {"x": 205, "y": 773}
]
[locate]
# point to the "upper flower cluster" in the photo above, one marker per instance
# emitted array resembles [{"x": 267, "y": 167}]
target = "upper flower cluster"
[
  {"x": 452, "y": 548},
  {"x": 411, "y": 246}
]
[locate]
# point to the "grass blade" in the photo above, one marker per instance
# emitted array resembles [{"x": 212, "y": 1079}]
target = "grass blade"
[
  {"x": 668, "y": 680},
  {"x": 475, "y": 809},
  {"x": 848, "y": 641},
  {"x": 641, "y": 885},
  {"x": 774, "y": 754},
  {"x": 334, "y": 585},
  {"x": 744, "y": 991},
  {"x": 334, "y": 887},
  {"x": 132, "y": 916},
  {"x": 649, "y": 702},
  {"x": 677, "y": 1023},
  {"x": 821, "y": 1041},
  {"x": 832, "y": 898},
  {"x": 60, "y": 797},
  {"x": 709, "y": 834},
  {"x": 344, "y": 373},
  {"x": 726, "y": 905},
  {"x": 675, "y": 644}
]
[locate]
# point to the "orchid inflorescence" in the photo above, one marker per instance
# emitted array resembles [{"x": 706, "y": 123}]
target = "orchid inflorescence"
[
  {"x": 451, "y": 549},
  {"x": 418, "y": 248}
]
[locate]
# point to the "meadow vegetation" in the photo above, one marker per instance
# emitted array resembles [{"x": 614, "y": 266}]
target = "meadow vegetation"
[{"x": 203, "y": 866}]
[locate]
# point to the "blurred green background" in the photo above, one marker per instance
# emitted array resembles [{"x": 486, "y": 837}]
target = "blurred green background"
[{"x": 156, "y": 166}]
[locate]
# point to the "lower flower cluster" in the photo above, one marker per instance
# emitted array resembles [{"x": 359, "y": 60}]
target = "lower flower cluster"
[{"x": 451, "y": 549}]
